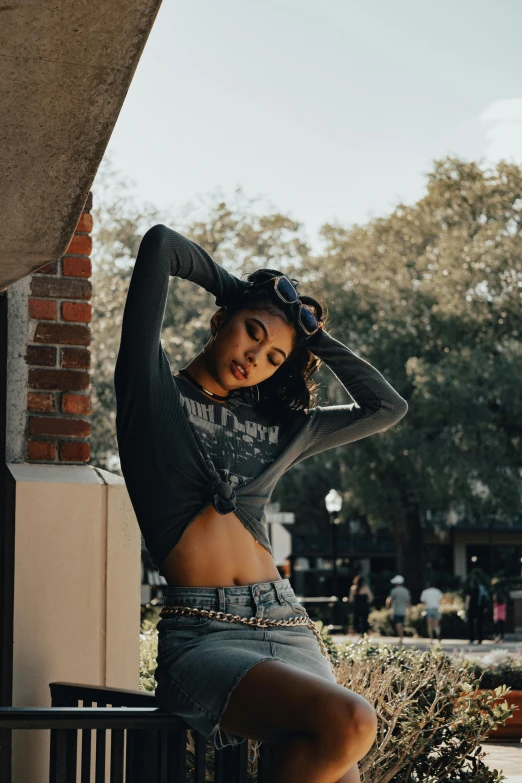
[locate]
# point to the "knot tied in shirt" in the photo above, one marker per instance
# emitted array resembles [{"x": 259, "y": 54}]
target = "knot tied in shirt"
[{"x": 223, "y": 496}]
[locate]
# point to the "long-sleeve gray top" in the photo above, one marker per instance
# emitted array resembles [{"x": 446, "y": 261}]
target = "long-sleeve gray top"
[{"x": 168, "y": 472}]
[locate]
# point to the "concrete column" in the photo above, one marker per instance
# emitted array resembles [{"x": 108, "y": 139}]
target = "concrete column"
[
  {"x": 459, "y": 555},
  {"x": 516, "y": 595},
  {"x": 365, "y": 567},
  {"x": 76, "y": 592}
]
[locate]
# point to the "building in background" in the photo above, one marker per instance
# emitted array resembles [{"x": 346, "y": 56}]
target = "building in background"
[{"x": 494, "y": 547}]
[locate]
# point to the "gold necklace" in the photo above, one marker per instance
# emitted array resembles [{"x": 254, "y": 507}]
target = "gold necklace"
[{"x": 202, "y": 388}]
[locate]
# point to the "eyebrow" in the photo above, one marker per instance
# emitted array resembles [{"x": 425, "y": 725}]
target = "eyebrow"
[{"x": 263, "y": 327}]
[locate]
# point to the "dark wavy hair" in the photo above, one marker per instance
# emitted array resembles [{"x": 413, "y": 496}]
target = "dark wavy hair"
[
  {"x": 358, "y": 582},
  {"x": 291, "y": 387}
]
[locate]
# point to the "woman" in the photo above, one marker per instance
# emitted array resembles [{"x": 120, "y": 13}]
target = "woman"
[
  {"x": 201, "y": 452},
  {"x": 360, "y": 597}
]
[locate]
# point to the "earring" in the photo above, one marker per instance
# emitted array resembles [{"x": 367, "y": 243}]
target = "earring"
[
  {"x": 257, "y": 391},
  {"x": 209, "y": 342}
]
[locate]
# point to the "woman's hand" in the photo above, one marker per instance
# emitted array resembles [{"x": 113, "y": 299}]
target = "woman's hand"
[{"x": 310, "y": 338}]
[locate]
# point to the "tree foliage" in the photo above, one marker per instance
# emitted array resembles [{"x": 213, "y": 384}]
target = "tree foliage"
[{"x": 431, "y": 296}]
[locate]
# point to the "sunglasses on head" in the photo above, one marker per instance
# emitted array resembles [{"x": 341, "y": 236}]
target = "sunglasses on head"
[{"x": 286, "y": 291}]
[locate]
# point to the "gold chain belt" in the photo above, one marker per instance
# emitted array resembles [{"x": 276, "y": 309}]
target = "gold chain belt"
[{"x": 235, "y": 618}]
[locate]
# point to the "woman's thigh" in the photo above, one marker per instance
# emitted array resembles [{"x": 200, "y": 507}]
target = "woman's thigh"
[{"x": 274, "y": 700}]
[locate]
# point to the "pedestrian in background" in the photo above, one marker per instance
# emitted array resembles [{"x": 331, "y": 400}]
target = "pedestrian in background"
[
  {"x": 399, "y": 599},
  {"x": 476, "y": 602},
  {"x": 500, "y": 597},
  {"x": 431, "y": 597},
  {"x": 360, "y": 597}
]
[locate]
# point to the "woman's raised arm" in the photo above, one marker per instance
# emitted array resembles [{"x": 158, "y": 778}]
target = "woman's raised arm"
[
  {"x": 377, "y": 405},
  {"x": 163, "y": 253}
]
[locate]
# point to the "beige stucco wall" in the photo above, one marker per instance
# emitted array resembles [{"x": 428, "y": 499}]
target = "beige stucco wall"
[
  {"x": 465, "y": 537},
  {"x": 76, "y": 592},
  {"x": 461, "y": 539}
]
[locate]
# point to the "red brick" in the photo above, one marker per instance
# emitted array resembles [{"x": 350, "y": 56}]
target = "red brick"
[
  {"x": 76, "y": 311},
  {"x": 73, "y": 266},
  {"x": 42, "y": 355},
  {"x": 59, "y": 380},
  {"x": 76, "y": 403},
  {"x": 41, "y": 403},
  {"x": 51, "y": 425},
  {"x": 43, "y": 309},
  {"x": 80, "y": 244},
  {"x": 62, "y": 334},
  {"x": 49, "y": 269},
  {"x": 84, "y": 223},
  {"x": 88, "y": 203},
  {"x": 41, "y": 449},
  {"x": 74, "y": 451},
  {"x": 61, "y": 288},
  {"x": 76, "y": 358}
]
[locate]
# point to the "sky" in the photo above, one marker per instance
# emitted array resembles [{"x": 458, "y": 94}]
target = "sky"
[{"x": 330, "y": 111}]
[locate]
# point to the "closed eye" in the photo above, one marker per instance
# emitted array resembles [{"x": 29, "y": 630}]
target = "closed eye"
[{"x": 251, "y": 333}]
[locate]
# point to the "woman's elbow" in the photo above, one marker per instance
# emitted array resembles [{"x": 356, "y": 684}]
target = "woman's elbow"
[
  {"x": 391, "y": 413},
  {"x": 401, "y": 408}
]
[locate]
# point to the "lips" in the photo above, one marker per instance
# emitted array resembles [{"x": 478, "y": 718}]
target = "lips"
[{"x": 237, "y": 371}]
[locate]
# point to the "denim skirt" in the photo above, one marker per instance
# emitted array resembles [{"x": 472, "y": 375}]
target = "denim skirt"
[{"x": 201, "y": 660}]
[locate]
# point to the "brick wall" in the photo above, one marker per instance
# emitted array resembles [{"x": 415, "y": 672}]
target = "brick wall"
[{"x": 58, "y": 355}]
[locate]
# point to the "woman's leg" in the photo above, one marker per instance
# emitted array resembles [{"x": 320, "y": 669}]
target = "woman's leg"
[
  {"x": 400, "y": 631},
  {"x": 320, "y": 729}
]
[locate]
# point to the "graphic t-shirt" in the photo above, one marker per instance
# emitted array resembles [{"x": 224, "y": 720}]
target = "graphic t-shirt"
[
  {"x": 400, "y": 596},
  {"x": 238, "y": 441},
  {"x": 431, "y": 597}
]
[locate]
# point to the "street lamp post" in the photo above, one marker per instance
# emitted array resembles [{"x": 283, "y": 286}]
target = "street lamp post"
[{"x": 334, "y": 502}]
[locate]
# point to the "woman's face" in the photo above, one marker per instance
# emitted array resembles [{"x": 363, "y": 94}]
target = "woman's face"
[{"x": 257, "y": 340}]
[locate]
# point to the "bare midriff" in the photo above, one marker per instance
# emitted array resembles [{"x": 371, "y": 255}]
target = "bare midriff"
[{"x": 216, "y": 550}]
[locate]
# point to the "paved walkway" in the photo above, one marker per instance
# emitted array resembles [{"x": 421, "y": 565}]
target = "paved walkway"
[
  {"x": 506, "y": 757},
  {"x": 448, "y": 645}
]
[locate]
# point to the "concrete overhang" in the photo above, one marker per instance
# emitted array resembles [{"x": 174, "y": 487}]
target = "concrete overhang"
[{"x": 65, "y": 68}]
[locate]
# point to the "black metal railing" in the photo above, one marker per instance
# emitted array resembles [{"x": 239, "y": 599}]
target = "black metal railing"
[{"x": 145, "y": 744}]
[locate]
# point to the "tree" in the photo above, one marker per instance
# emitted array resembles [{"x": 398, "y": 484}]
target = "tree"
[{"x": 431, "y": 297}]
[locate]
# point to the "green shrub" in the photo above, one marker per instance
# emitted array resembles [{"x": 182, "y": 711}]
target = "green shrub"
[
  {"x": 148, "y": 654},
  {"x": 431, "y": 717}
]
